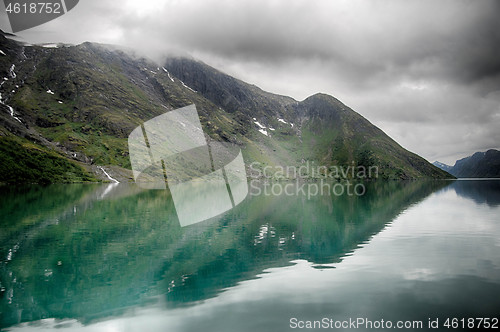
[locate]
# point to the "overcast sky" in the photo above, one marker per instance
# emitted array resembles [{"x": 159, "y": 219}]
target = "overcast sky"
[{"x": 425, "y": 72}]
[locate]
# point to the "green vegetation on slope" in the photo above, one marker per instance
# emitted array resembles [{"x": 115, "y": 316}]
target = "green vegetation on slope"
[{"x": 25, "y": 162}]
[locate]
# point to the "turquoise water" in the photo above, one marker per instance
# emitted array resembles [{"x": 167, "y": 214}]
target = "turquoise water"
[{"x": 113, "y": 257}]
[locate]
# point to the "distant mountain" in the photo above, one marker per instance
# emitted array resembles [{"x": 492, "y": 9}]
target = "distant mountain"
[
  {"x": 479, "y": 165},
  {"x": 73, "y": 108},
  {"x": 444, "y": 167}
]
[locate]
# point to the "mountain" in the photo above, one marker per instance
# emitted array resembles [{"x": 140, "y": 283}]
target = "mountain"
[
  {"x": 444, "y": 167},
  {"x": 320, "y": 128},
  {"x": 73, "y": 107},
  {"x": 479, "y": 165}
]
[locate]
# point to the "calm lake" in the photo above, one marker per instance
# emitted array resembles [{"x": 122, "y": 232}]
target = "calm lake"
[{"x": 113, "y": 257}]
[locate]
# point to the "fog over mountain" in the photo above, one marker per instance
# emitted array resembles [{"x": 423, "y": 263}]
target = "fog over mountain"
[{"x": 425, "y": 72}]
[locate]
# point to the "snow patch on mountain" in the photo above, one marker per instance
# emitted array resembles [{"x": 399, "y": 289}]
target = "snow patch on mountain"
[
  {"x": 12, "y": 73},
  {"x": 166, "y": 71},
  {"x": 184, "y": 85},
  {"x": 258, "y": 124}
]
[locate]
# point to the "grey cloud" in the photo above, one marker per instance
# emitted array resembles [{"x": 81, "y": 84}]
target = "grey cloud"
[{"x": 418, "y": 38}]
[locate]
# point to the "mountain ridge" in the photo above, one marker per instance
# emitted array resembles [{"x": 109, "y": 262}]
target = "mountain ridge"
[
  {"x": 81, "y": 102},
  {"x": 308, "y": 113},
  {"x": 478, "y": 165}
]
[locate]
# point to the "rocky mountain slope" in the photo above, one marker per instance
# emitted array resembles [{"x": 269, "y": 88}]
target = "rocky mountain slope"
[{"x": 73, "y": 108}]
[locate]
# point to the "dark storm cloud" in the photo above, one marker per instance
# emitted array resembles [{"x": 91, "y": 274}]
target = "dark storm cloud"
[{"x": 427, "y": 72}]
